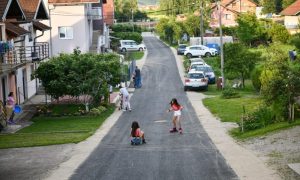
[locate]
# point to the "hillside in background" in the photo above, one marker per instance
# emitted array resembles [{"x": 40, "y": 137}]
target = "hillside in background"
[{"x": 147, "y": 2}]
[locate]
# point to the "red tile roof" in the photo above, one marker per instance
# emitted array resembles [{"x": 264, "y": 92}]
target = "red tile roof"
[
  {"x": 292, "y": 10},
  {"x": 29, "y": 7},
  {"x": 72, "y": 1}
]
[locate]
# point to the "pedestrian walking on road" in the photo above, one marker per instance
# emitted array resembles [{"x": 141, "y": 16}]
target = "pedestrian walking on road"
[
  {"x": 137, "y": 78},
  {"x": 10, "y": 104},
  {"x": 176, "y": 107},
  {"x": 136, "y": 132},
  {"x": 125, "y": 99}
]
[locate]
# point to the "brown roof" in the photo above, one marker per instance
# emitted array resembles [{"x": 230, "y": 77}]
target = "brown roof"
[
  {"x": 72, "y": 1},
  {"x": 29, "y": 7},
  {"x": 3, "y": 4},
  {"x": 15, "y": 29},
  {"x": 40, "y": 26},
  {"x": 292, "y": 10}
]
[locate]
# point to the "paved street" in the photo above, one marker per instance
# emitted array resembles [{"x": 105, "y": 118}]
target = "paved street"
[{"x": 165, "y": 156}]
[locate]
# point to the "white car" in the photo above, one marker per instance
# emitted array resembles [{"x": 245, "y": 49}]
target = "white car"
[
  {"x": 198, "y": 50},
  {"x": 196, "y": 65},
  {"x": 131, "y": 45},
  {"x": 195, "y": 80}
]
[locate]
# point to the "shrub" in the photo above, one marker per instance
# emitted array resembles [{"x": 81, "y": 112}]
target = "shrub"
[
  {"x": 125, "y": 28},
  {"x": 97, "y": 111},
  {"x": 260, "y": 118},
  {"x": 230, "y": 93},
  {"x": 137, "y": 37},
  {"x": 255, "y": 77}
]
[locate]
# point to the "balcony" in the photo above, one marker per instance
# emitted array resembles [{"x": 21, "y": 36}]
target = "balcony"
[
  {"x": 95, "y": 13},
  {"x": 13, "y": 58}
]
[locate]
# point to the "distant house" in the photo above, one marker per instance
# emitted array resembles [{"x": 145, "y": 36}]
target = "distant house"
[
  {"x": 229, "y": 11},
  {"x": 76, "y": 24},
  {"x": 292, "y": 17},
  {"x": 20, "y": 53}
]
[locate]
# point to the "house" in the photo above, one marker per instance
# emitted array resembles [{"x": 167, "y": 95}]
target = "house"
[
  {"x": 75, "y": 24},
  {"x": 229, "y": 11},
  {"x": 292, "y": 17},
  {"x": 20, "y": 53}
]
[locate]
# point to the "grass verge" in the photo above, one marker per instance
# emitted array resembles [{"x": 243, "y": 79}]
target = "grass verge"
[
  {"x": 55, "y": 130},
  {"x": 260, "y": 132},
  {"x": 137, "y": 55}
]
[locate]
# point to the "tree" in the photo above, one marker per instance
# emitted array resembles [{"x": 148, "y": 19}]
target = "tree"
[
  {"x": 192, "y": 25},
  {"x": 279, "y": 33},
  {"x": 80, "y": 75},
  {"x": 280, "y": 82},
  {"x": 271, "y": 6},
  {"x": 239, "y": 61},
  {"x": 249, "y": 29}
]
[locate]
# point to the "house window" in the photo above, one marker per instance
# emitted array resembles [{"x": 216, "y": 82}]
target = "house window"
[
  {"x": 228, "y": 16},
  {"x": 65, "y": 32},
  {"x": 30, "y": 29}
]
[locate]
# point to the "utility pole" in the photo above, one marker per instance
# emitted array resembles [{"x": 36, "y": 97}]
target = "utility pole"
[
  {"x": 201, "y": 21},
  {"x": 221, "y": 45},
  {"x": 132, "y": 20}
]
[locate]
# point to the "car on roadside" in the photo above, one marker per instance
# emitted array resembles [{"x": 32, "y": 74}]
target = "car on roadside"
[
  {"x": 195, "y": 80},
  {"x": 131, "y": 45},
  {"x": 198, "y": 50},
  {"x": 209, "y": 72},
  {"x": 198, "y": 59},
  {"x": 195, "y": 65},
  {"x": 181, "y": 48}
]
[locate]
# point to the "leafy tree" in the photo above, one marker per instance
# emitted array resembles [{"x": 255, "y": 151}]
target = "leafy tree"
[
  {"x": 286, "y": 3},
  {"x": 80, "y": 74},
  {"x": 125, "y": 8},
  {"x": 192, "y": 25},
  {"x": 279, "y": 33},
  {"x": 271, "y": 6},
  {"x": 249, "y": 29},
  {"x": 239, "y": 61},
  {"x": 280, "y": 82}
]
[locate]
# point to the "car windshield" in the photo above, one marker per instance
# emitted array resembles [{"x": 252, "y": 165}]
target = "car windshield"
[
  {"x": 204, "y": 68},
  {"x": 182, "y": 46},
  {"x": 195, "y": 76},
  {"x": 196, "y": 66}
]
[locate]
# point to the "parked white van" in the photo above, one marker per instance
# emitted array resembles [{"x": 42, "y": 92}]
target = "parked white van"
[{"x": 131, "y": 45}]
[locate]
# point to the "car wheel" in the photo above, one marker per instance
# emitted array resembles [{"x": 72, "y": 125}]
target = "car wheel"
[
  {"x": 185, "y": 88},
  {"x": 123, "y": 49},
  {"x": 189, "y": 55},
  {"x": 141, "y": 49},
  {"x": 207, "y": 54}
]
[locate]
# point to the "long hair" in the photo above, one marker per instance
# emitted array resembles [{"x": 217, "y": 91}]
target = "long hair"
[
  {"x": 10, "y": 94},
  {"x": 134, "y": 127},
  {"x": 174, "y": 101}
]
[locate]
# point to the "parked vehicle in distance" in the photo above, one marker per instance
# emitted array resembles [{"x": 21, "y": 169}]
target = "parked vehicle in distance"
[
  {"x": 214, "y": 46},
  {"x": 198, "y": 59},
  {"x": 195, "y": 65},
  {"x": 209, "y": 72},
  {"x": 131, "y": 45},
  {"x": 142, "y": 47},
  {"x": 195, "y": 80},
  {"x": 181, "y": 48},
  {"x": 198, "y": 50}
]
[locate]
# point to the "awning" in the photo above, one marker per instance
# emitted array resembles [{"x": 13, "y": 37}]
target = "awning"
[
  {"x": 15, "y": 30},
  {"x": 40, "y": 26}
]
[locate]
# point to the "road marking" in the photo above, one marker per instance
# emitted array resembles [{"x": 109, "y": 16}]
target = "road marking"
[{"x": 160, "y": 121}]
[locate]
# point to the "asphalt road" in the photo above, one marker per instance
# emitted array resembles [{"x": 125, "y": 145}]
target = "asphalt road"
[{"x": 191, "y": 155}]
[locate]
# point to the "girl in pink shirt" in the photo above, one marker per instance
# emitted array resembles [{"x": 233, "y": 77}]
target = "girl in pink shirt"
[
  {"x": 176, "y": 107},
  {"x": 10, "y": 104},
  {"x": 136, "y": 131}
]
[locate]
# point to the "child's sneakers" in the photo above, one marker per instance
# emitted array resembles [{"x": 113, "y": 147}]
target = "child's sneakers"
[
  {"x": 173, "y": 130},
  {"x": 180, "y": 130}
]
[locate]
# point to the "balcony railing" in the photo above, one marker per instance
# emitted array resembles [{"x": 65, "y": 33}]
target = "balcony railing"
[
  {"x": 12, "y": 58},
  {"x": 95, "y": 13}
]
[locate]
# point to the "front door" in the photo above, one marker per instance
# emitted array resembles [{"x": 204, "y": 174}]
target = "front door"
[
  {"x": 4, "y": 93},
  {"x": 24, "y": 80}
]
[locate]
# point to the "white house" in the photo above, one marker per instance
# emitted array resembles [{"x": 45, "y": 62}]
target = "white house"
[{"x": 292, "y": 17}]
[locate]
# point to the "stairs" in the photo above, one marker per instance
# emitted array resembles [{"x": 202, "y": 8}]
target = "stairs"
[
  {"x": 96, "y": 35},
  {"x": 41, "y": 91}
]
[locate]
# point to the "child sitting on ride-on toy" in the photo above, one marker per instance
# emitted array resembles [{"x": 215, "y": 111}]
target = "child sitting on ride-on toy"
[{"x": 137, "y": 136}]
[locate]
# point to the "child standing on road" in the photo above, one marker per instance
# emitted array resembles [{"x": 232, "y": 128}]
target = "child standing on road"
[
  {"x": 176, "y": 107},
  {"x": 137, "y": 132}
]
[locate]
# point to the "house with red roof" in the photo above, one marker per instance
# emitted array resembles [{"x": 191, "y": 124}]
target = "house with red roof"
[
  {"x": 229, "y": 11},
  {"x": 292, "y": 17},
  {"x": 20, "y": 50}
]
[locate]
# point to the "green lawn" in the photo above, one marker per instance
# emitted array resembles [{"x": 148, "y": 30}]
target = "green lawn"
[
  {"x": 137, "y": 55},
  {"x": 55, "y": 130},
  {"x": 230, "y": 110},
  {"x": 259, "y": 132}
]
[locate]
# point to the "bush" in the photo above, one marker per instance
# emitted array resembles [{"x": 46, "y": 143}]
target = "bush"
[
  {"x": 137, "y": 37},
  {"x": 97, "y": 111},
  {"x": 255, "y": 77},
  {"x": 126, "y": 28},
  {"x": 260, "y": 118},
  {"x": 230, "y": 93}
]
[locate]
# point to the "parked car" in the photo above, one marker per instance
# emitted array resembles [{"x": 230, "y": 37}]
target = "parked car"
[
  {"x": 181, "y": 48},
  {"x": 209, "y": 72},
  {"x": 195, "y": 80},
  {"x": 131, "y": 45},
  {"x": 198, "y": 50},
  {"x": 195, "y": 65},
  {"x": 198, "y": 59},
  {"x": 142, "y": 47},
  {"x": 214, "y": 46}
]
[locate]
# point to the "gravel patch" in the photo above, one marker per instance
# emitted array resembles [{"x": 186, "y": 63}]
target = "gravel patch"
[{"x": 278, "y": 150}]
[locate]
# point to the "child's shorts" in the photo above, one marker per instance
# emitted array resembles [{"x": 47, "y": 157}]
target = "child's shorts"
[
  {"x": 136, "y": 141},
  {"x": 177, "y": 113}
]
